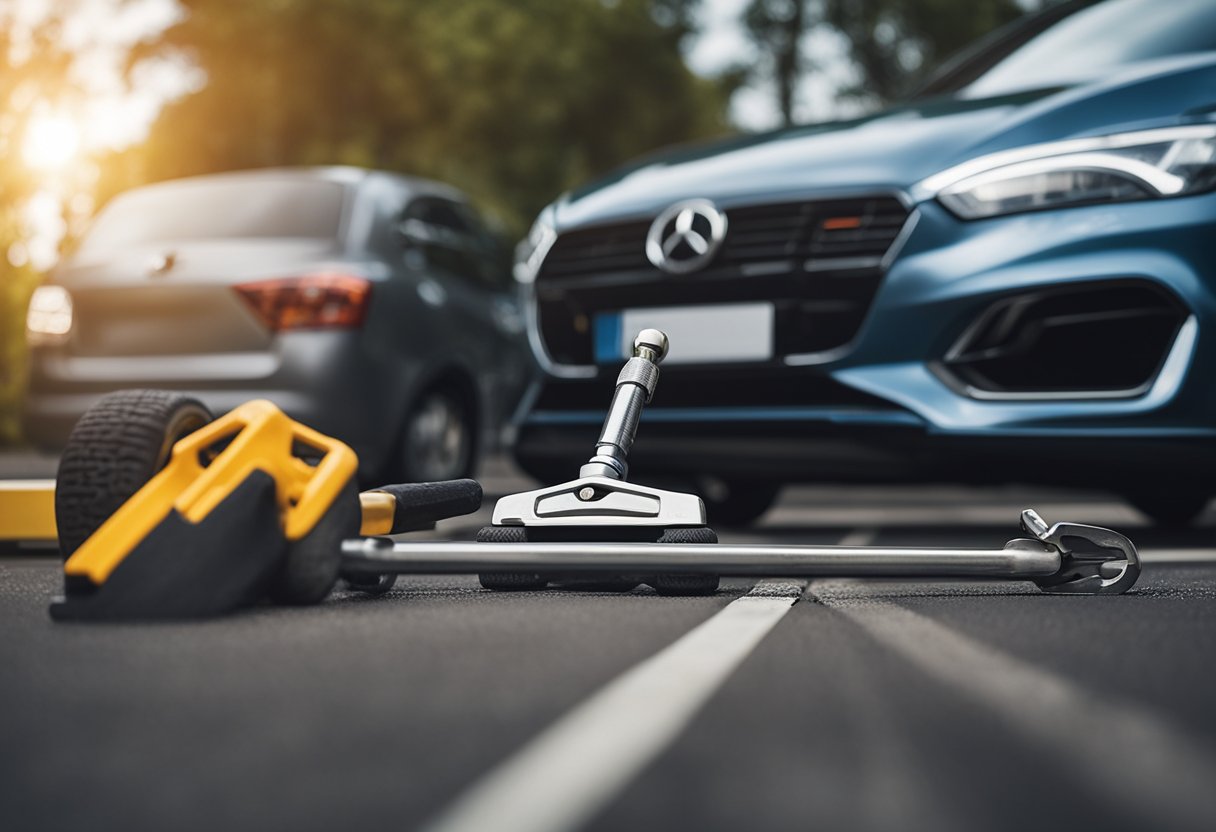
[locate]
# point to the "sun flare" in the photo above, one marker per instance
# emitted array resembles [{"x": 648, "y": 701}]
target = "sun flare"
[{"x": 52, "y": 142}]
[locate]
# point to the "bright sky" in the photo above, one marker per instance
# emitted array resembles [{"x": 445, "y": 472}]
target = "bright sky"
[
  {"x": 723, "y": 43},
  {"x": 100, "y": 31}
]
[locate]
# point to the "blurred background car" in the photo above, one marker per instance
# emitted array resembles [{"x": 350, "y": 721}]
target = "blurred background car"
[
  {"x": 1008, "y": 279},
  {"x": 374, "y": 307}
]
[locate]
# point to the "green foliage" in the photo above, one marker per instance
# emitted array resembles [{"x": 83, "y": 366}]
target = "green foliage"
[
  {"x": 895, "y": 43},
  {"x": 777, "y": 27},
  {"x": 513, "y": 102},
  {"x": 15, "y": 288}
]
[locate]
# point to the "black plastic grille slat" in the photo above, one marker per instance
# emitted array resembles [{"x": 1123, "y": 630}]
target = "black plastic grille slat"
[
  {"x": 815, "y": 311},
  {"x": 799, "y": 231}
]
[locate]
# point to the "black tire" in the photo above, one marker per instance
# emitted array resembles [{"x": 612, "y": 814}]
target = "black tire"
[
  {"x": 509, "y": 581},
  {"x": 311, "y": 566},
  {"x": 119, "y": 444},
  {"x": 438, "y": 439},
  {"x": 737, "y": 503},
  {"x": 1171, "y": 509},
  {"x": 683, "y": 584}
]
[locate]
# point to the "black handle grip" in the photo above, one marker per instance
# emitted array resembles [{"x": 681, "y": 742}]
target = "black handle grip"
[{"x": 420, "y": 504}]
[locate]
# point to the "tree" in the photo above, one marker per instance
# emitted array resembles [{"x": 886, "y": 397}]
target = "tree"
[
  {"x": 33, "y": 74},
  {"x": 777, "y": 28},
  {"x": 514, "y": 102},
  {"x": 892, "y": 43},
  {"x": 896, "y": 43}
]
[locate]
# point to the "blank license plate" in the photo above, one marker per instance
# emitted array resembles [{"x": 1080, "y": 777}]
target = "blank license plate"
[{"x": 699, "y": 334}]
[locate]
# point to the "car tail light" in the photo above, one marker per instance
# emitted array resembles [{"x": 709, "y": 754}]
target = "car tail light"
[{"x": 315, "y": 301}]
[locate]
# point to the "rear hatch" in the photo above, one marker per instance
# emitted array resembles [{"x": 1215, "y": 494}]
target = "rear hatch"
[{"x": 155, "y": 275}]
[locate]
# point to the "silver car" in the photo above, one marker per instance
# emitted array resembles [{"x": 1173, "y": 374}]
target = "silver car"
[{"x": 374, "y": 307}]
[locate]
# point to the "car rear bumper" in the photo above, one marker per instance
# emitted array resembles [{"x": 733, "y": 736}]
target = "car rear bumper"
[{"x": 324, "y": 379}]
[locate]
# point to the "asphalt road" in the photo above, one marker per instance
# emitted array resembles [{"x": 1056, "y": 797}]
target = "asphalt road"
[{"x": 845, "y": 704}]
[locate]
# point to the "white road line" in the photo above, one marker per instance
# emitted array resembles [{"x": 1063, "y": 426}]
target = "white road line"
[
  {"x": 1126, "y": 753},
  {"x": 569, "y": 772}
]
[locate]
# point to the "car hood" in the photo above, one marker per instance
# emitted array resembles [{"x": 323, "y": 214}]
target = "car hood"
[{"x": 896, "y": 148}]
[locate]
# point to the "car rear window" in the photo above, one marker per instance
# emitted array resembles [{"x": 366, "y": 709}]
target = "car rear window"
[{"x": 219, "y": 209}]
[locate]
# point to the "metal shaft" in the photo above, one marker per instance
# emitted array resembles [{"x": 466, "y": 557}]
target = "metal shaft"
[
  {"x": 380, "y": 556},
  {"x": 634, "y": 387}
]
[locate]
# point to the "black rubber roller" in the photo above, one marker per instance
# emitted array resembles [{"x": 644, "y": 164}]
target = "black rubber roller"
[
  {"x": 686, "y": 584},
  {"x": 671, "y": 584},
  {"x": 524, "y": 581},
  {"x": 509, "y": 581}
]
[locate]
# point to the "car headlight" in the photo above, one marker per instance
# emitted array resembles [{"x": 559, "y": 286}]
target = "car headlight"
[
  {"x": 49, "y": 318},
  {"x": 532, "y": 249},
  {"x": 1148, "y": 164}
]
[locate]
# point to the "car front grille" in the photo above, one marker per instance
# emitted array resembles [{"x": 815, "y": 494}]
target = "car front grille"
[{"x": 819, "y": 262}]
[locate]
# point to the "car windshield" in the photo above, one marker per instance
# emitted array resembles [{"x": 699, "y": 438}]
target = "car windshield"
[
  {"x": 219, "y": 209},
  {"x": 1093, "y": 41}
]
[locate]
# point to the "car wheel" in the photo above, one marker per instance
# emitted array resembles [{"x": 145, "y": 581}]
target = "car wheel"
[
  {"x": 1171, "y": 509},
  {"x": 736, "y": 502},
  {"x": 438, "y": 437},
  {"x": 117, "y": 446}
]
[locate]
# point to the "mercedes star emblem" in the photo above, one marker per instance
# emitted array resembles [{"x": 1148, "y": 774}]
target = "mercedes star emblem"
[{"x": 686, "y": 236}]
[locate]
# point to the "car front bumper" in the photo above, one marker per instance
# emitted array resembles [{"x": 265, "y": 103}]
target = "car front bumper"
[{"x": 901, "y": 418}]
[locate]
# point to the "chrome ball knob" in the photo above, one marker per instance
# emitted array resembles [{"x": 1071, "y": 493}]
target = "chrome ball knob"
[{"x": 652, "y": 341}]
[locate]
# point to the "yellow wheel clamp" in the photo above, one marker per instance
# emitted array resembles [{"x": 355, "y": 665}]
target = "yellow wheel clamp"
[{"x": 208, "y": 532}]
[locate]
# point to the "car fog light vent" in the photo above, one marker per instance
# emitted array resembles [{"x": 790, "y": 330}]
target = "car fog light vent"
[{"x": 1108, "y": 340}]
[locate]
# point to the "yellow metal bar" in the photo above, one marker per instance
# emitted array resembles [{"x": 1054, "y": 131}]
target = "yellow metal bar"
[{"x": 27, "y": 510}]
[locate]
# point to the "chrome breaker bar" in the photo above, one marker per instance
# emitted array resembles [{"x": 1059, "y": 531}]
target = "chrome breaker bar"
[{"x": 1066, "y": 558}]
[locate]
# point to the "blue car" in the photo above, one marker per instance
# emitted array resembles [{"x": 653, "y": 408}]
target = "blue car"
[{"x": 1007, "y": 279}]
